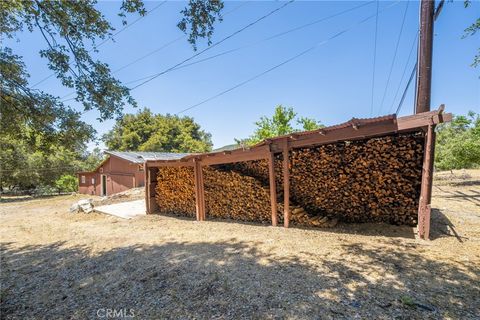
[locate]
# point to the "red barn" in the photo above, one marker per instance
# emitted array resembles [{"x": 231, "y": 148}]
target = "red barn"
[{"x": 119, "y": 172}]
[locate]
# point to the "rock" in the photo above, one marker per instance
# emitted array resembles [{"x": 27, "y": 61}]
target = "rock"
[
  {"x": 84, "y": 205},
  {"x": 75, "y": 208}
]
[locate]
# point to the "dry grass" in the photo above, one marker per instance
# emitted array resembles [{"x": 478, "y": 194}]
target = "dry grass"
[{"x": 58, "y": 265}]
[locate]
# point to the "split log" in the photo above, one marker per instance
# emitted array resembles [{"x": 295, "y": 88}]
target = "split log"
[
  {"x": 175, "y": 191},
  {"x": 232, "y": 193}
]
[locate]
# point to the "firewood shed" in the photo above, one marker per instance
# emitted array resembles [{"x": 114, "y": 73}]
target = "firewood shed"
[{"x": 375, "y": 169}]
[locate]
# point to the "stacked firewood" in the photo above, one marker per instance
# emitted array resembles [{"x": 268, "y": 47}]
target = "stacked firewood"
[
  {"x": 230, "y": 194},
  {"x": 362, "y": 181},
  {"x": 299, "y": 216},
  {"x": 372, "y": 180},
  {"x": 175, "y": 191}
]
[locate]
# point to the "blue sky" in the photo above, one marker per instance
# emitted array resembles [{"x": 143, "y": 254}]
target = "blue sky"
[{"x": 332, "y": 83}]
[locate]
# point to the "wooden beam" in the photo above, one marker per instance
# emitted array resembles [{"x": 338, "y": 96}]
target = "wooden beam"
[
  {"x": 422, "y": 120},
  {"x": 171, "y": 163},
  {"x": 202, "y": 191},
  {"x": 346, "y": 133},
  {"x": 424, "y": 207},
  {"x": 150, "y": 186},
  {"x": 198, "y": 197},
  {"x": 247, "y": 155},
  {"x": 286, "y": 185},
  {"x": 273, "y": 189},
  {"x": 146, "y": 178}
]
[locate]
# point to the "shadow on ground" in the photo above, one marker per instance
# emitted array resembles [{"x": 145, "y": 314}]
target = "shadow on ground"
[
  {"x": 442, "y": 226},
  {"x": 234, "y": 280},
  {"x": 11, "y": 199}
]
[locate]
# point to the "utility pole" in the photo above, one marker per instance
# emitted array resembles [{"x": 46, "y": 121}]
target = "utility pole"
[{"x": 425, "y": 47}]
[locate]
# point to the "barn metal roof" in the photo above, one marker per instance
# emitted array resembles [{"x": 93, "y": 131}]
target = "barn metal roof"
[{"x": 141, "y": 157}]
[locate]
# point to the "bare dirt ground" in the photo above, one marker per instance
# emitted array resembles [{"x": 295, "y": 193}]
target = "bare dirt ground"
[{"x": 56, "y": 265}]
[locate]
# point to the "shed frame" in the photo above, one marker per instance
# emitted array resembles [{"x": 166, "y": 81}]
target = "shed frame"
[{"x": 355, "y": 129}]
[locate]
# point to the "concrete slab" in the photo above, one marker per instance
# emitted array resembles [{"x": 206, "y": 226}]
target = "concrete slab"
[{"x": 125, "y": 210}]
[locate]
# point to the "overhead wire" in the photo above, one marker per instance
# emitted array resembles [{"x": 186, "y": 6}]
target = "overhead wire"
[
  {"x": 286, "y": 61},
  {"x": 404, "y": 72},
  {"x": 103, "y": 42},
  {"x": 214, "y": 44},
  {"x": 374, "y": 57},
  {"x": 129, "y": 25},
  {"x": 164, "y": 46},
  {"x": 394, "y": 56},
  {"x": 406, "y": 88},
  {"x": 260, "y": 41}
]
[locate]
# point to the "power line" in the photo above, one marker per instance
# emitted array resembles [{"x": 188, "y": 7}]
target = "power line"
[
  {"x": 215, "y": 44},
  {"x": 129, "y": 25},
  {"x": 164, "y": 46},
  {"x": 284, "y": 62},
  {"x": 404, "y": 71},
  {"x": 260, "y": 41},
  {"x": 394, "y": 56},
  {"x": 406, "y": 88},
  {"x": 103, "y": 42},
  {"x": 374, "y": 58},
  {"x": 170, "y": 43}
]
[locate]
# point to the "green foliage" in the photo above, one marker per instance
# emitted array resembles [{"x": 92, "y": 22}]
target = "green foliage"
[
  {"x": 23, "y": 166},
  {"x": 470, "y": 31},
  {"x": 146, "y": 131},
  {"x": 41, "y": 138},
  {"x": 458, "y": 143},
  {"x": 69, "y": 29},
  {"x": 199, "y": 18},
  {"x": 67, "y": 183},
  {"x": 92, "y": 160},
  {"x": 280, "y": 124},
  {"x": 72, "y": 32},
  {"x": 32, "y": 116}
]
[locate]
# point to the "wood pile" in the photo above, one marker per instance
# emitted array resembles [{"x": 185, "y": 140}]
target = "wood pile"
[
  {"x": 230, "y": 194},
  {"x": 372, "y": 180},
  {"x": 299, "y": 216},
  {"x": 361, "y": 181},
  {"x": 175, "y": 191}
]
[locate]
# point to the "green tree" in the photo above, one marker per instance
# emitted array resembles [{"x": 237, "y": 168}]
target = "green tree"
[
  {"x": 281, "y": 123},
  {"x": 470, "y": 31},
  {"x": 145, "y": 131},
  {"x": 91, "y": 160},
  {"x": 42, "y": 138},
  {"x": 72, "y": 32},
  {"x": 458, "y": 143},
  {"x": 67, "y": 183}
]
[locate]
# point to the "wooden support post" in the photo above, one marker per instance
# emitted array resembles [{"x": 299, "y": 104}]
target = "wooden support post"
[
  {"x": 286, "y": 186},
  {"x": 202, "y": 191},
  {"x": 199, "y": 199},
  {"x": 273, "y": 189},
  {"x": 424, "y": 207},
  {"x": 146, "y": 178}
]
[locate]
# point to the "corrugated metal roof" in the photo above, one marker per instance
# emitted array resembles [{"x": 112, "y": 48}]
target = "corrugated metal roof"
[
  {"x": 227, "y": 147},
  {"x": 141, "y": 157}
]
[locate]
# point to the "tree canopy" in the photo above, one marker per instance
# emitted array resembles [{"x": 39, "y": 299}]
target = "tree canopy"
[
  {"x": 458, "y": 143},
  {"x": 283, "y": 121},
  {"x": 145, "y": 131},
  {"x": 42, "y": 139},
  {"x": 470, "y": 31},
  {"x": 72, "y": 31}
]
